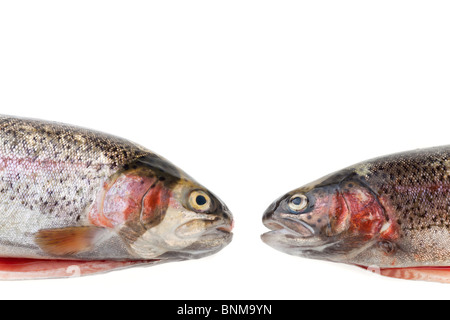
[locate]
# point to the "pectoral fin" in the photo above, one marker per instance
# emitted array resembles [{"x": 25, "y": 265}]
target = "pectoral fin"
[{"x": 68, "y": 241}]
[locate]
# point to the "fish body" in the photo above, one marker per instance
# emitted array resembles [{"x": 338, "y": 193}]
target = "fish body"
[
  {"x": 68, "y": 193},
  {"x": 390, "y": 215}
]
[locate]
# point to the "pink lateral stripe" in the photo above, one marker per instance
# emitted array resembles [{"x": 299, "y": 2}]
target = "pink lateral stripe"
[
  {"x": 434, "y": 274},
  {"x": 21, "y": 269}
]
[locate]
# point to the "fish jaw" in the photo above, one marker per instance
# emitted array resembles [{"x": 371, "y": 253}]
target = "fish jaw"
[
  {"x": 208, "y": 244},
  {"x": 292, "y": 244}
]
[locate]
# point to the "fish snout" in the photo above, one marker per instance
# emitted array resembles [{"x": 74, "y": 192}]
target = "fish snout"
[
  {"x": 226, "y": 223},
  {"x": 269, "y": 220}
]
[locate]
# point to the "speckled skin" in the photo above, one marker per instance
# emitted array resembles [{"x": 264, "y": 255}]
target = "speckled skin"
[
  {"x": 415, "y": 188},
  {"x": 408, "y": 217},
  {"x": 417, "y": 185},
  {"x": 52, "y": 176}
]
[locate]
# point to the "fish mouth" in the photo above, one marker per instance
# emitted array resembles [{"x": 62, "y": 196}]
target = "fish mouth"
[
  {"x": 284, "y": 241},
  {"x": 297, "y": 228},
  {"x": 282, "y": 222},
  {"x": 205, "y": 227},
  {"x": 289, "y": 235},
  {"x": 284, "y": 238},
  {"x": 208, "y": 244},
  {"x": 227, "y": 228},
  {"x": 293, "y": 234},
  {"x": 217, "y": 234},
  {"x": 210, "y": 236}
]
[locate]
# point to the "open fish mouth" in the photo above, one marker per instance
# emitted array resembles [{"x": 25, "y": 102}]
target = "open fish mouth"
[
  {"x": 296, "y": 228},
  {"x": 284, "y": 238},
  {"x": 291, "y": 236},
  {"x": 312, "y": 247},
  {"x": 277, "y": 219}
]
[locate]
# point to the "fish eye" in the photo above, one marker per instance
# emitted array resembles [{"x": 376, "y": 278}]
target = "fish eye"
[
  {"x": 200, "y": 201},
  {"x": 298, "y": 202}
]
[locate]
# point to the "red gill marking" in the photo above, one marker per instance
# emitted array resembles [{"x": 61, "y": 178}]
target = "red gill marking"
[
  {"x": 368, "y": 216},
  {"x": 155, "y": 202},
  {"x": 340, "y": 213},
  {"x": 124, "y": 198}
]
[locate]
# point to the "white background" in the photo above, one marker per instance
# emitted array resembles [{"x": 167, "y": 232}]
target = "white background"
[{"x": 252, "y": 98}]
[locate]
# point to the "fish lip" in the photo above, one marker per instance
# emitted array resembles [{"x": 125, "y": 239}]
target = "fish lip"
[
  {"x": 228, "y": 228},
  {"x": 220, "y": 232},
  {"x": 223, "y": 232},
  {"x": 296, "y": 241},
  {"x": 288, "y": 234},
  {"x": 282, "y": 225},
  {"x": 286, "y": 241},
  {"x": 216, "y": 227}
]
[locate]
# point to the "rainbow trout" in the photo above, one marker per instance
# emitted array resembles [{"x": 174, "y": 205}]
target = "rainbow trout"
[
  {"x": 78, "y": 202},
  {"x": 390, "y": 215}
]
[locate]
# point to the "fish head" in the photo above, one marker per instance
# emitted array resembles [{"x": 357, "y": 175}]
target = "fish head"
[
  {"x": 334, "y": 219},
  {"x": 196, "y": 223},
  {"x": 176, "y": 217}
]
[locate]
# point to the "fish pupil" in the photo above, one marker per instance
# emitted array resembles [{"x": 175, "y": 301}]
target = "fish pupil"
[
  {"x": 201, "y": 200},
  {"x": 297, "y": 201}
]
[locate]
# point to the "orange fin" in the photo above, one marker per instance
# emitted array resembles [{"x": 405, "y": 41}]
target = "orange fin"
[
  {"x": 67, "y": 241},
  {"x": 21, "y": 269},
  {"x": 435, "y": 274}
]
